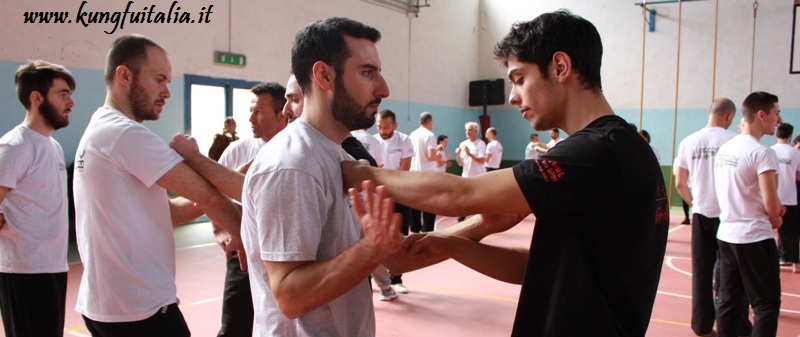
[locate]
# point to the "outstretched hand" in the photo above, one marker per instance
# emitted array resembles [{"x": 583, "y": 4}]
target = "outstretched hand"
[
  {"x": 185, "y": 145},
  {"x": 380, "y": 223}
]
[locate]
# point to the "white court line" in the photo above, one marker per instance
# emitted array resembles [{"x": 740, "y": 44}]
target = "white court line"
[
  {"x": 677, "y": 228},
  {"x": 668, "y": 261}
]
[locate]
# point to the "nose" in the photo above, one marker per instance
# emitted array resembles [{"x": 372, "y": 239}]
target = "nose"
[
  {"x": 513, "y": 97},
  {"x": 166, "y": 94},
  {"x": 382, "y": 90},
  {"x": 286, "y": 110}
]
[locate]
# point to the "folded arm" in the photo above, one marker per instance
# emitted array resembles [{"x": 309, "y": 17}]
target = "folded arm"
[{"x": 299, "y": 287}]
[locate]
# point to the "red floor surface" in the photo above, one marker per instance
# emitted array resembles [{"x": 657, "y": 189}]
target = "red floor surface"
[{"x": 449, "y": 299}]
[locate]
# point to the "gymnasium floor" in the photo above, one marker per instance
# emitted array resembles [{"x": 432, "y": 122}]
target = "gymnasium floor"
[{"x": 445, "y": 300}]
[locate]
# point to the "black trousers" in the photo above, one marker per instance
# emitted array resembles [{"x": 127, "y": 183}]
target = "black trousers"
[
  {"x": 404, "y": 213},
  {"x": 237, "y": 302},
  {"x": 33, "y": 304},
  {"x": 749, "y": 273},
  {"x": 789, "y": 235},
  {"x": 705, "y": 277},
  {"x": 167, "y": 322},
  {"x": 426, "y": 224}
]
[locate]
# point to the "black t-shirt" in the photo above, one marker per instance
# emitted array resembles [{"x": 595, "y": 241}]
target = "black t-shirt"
[
  {"x": 353, "y": 147},
  {"x": 601, "y": 231}
]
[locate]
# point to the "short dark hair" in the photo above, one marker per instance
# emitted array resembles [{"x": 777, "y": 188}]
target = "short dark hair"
[
  {"x": 756, "y": 101},
  {"x": 492, "y": 130},
  {"x": 129, "y": 51},
  {"x": 387, "y": 114},
  {"x": 277, "y": 91},
  {"x": 645, "y": 135},
  {"x": 324, "y": 41},
  {"x": 440, "y": 139},
  {"x": 796, "y": 140},
  {"x": 534, "y": 135},
  {"x": 425, "y": 117},
  {"x": 39, "y": 76},
  {"x": 538, "y": 40},
  {"x": 784, "y": 131}
]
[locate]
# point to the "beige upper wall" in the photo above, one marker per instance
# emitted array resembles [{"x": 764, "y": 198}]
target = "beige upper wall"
[
  {"x": 450, "y": 43},
  {"x": 621, "y": 27},
  {"x": 443, "y": 48}
]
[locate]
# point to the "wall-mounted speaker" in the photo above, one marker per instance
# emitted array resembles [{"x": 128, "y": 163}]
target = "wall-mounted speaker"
[{"x": 488, "y": 92}]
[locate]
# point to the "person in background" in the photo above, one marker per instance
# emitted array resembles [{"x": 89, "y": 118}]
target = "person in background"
[
  {"x": 33, "y": 205},
  {"x": 397, "y": 152},
  {"x": 745, "y": 182},
  {"x": 788, "y": 175},
  {"x": 223, "y": 139},
  {"x": 494, "y": 150},
  {"x": 555, "y": 138},
  {"x": 694, "y": 179},
  {"x": 534, "y": 149},
  {"x": 471, "y": 154},
  {"x": 423, "y": 141}
]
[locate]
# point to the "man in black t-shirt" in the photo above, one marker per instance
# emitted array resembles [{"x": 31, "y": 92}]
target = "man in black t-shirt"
[{"x": 599, "y": 197}]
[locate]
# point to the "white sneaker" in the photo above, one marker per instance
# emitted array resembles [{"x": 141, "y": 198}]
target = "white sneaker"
[
  {"x": 387, "y": 294},
  {"x": 400, "y": 288}
]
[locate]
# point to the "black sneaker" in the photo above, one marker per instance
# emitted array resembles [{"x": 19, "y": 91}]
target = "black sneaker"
[{"x": 686, "y": 221}]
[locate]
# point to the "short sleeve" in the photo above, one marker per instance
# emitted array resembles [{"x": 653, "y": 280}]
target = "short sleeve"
[
  {"x": 144, "y": 155},
  {"x": 408, "y": 148},
  {"x": 14, "y": 162}
]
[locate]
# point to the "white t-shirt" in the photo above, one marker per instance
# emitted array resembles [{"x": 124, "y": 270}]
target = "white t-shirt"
[
  {"x": 123, "y": 223},
  {"x": 696, "y": 154},
  {"x": 422, "y": 141},
  {"x": 530, "y": 150},
  {"x": 295, "y": 209},
  {"x": 372, "y": 145},
  {"x": 34, "y": 239},
  {"x": 469, "y": 167},
  {"x": 396, "y": 148},
  {"x": 553, "y": 142},
  {"x": 737, "y": 166},
  {"x": 496, "y": 150},
  {"x": 788, "y": 166},
  {"x": 240, "y": 152}
]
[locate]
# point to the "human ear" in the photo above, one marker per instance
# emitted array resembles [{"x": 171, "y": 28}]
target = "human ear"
[
  {"x": 561, "y": 66},
  {"x": 322, "y": 74}
]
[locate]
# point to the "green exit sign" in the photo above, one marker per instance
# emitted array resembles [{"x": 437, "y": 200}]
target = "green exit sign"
[{"x": 232, "y": 59}]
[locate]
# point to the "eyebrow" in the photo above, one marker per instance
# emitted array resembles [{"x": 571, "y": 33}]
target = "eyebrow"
[
  {"x": 513, "y": 72},
  {"x": 370, "y": 66}
]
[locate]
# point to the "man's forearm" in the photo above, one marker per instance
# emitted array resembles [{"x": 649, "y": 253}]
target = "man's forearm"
[
  {"x": 225, "y": 180},
  {"x": 318, "y": 282}
]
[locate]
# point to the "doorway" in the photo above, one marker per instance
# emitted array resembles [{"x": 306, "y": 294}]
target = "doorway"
[{"x": 209, "y": 101}]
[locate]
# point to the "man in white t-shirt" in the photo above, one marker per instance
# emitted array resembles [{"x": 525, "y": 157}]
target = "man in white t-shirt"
[
  {"x": 471, "y": 154},
  {"x": 124, "y": 219},
  {"x": 535, "y": 148},
  {"x": 309, "y": 254},
  {"x": 423, "y": 141},
  {"x": 788, "y": 175},
  {"x": 372, "y": 145},
  {"x": 494, "y": 150},
  {"x": 746, "y": 185},
  {"x": 694, "y": 179},
  {"x": 397, "y": 153},
  {"x": 33, "y": 205},
  {"x": 266, "y": 120},
  {"x": 555, "y": 138}
]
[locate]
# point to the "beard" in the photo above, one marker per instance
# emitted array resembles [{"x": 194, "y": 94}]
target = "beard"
[
  {"x": 51, "y": 115},
  {"x": 141, "y": 105},
  {"x": 346, "y": 109}
]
